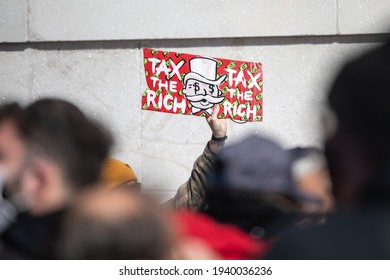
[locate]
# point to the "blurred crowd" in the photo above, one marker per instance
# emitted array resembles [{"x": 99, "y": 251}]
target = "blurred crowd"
[{"x": 63, "y": 197}]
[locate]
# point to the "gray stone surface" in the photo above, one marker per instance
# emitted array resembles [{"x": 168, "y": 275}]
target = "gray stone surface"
[
  {"x": 104, "y": 83},
  {"x": 67, "y": 20},
  {"x": 13, "y": 21},
  {"x": 363, "y": 17},
  {"x": 16, "y": 77}
]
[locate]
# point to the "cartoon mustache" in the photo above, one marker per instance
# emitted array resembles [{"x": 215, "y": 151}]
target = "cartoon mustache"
[{"x": 209, "y": 98}]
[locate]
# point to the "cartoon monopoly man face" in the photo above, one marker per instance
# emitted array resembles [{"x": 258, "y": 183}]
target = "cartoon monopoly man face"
[{"x": 201, "y": 86}]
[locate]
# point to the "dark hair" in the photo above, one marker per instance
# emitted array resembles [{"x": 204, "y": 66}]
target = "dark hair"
[
  {"x": 360, "y": 99},
  {"x": 78, "y": 144},
  {"x": 273, "y": 212}
]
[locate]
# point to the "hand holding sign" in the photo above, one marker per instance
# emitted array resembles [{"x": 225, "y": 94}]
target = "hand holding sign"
[{"x": 218, "y": 126}]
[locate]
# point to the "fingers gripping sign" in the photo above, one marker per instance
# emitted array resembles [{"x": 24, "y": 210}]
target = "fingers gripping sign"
[{"x": 218, "y": 126}]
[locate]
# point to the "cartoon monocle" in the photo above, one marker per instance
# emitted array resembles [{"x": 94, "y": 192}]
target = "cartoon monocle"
[{"x": 201, "y": 86}]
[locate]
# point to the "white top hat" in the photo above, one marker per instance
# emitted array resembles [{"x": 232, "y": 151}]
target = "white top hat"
[{"x": 204, "y": 70}]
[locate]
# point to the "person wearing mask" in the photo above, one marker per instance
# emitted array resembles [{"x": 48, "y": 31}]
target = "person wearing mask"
[{"x": 65, "y": 153}]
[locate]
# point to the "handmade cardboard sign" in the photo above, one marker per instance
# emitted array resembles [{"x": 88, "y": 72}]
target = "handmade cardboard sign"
[{"x": 188, "y": 84}]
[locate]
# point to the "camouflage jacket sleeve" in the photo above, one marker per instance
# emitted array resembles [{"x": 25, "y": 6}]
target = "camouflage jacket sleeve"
[{"x": 190, "y": 195}]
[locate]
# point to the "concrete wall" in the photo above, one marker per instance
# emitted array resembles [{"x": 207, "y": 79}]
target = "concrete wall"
[{"x": 90, "y": 52}]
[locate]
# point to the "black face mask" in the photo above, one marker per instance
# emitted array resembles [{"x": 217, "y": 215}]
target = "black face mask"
[
  {"x": 8, "y": 211},
  {"x": 11, "y": 205},
  {"x": 8, "y": 214},
  {"x": 247, "y": 211}
]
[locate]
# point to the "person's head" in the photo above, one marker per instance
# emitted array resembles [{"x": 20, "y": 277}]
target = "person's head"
[
  {"x": 12, "y": 144},
  {"x": 67, "y": 151},
  {"x": 117, "y": 174},
  {"x": 311, "y": 175},
  {"x": 114, "y": 224},
  {"x": 251, "y": 186},
  {"x": 357, "y": 135}
]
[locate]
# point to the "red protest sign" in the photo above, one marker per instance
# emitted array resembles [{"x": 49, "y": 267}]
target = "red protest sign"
[{"x": 188, "y": 84}]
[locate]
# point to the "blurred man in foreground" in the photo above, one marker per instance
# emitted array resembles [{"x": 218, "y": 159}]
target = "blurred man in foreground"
[
  {"x": 13, "y": 150},
  {"x": 358, "y": 151},
  {"x": 65, "y": 154}
]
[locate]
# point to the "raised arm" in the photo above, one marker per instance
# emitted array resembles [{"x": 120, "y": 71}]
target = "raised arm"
[{"x": 190, "y": 195}]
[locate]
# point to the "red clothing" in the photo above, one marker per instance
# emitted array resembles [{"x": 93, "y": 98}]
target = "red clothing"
[{"x": 230, "y": 242}]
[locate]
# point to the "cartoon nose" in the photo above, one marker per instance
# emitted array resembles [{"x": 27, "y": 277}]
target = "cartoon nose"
[{"x": 204, "y": 92}]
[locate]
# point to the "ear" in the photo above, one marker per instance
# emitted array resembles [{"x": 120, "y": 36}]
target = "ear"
[
  {"x": 41, "y": 175},
  {"x": 36, "y": 178}
]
